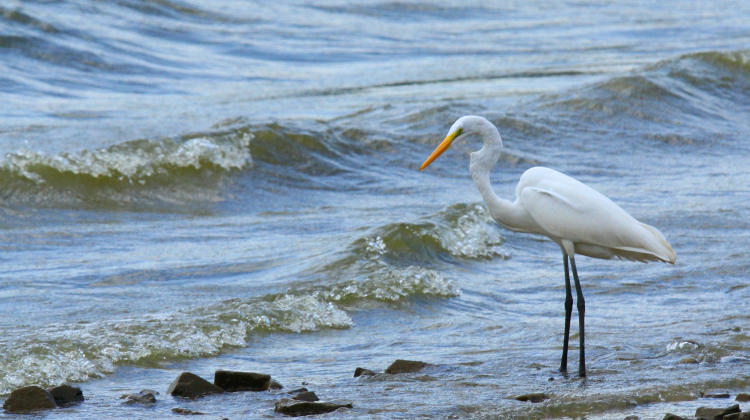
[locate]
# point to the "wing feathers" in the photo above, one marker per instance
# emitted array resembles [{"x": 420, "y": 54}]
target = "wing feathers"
[{"x": 564, "y": 208}]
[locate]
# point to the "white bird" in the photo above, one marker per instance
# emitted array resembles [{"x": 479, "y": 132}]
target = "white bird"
[{"x": 573, "y": 215}]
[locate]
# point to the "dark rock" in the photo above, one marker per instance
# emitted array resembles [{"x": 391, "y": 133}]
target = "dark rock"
[
  {"x": 689, "y": 361},
  {"x": 275, "y": 385},
  {"x": 534, "y": 398},
  {"x": 189, "y": 385},
  {"x": 306, "y": 396},
  {"x": 297, "y": 391},
  {"x": 66, "y": 395},
  {"x": 362, "y": 371},
  {"x": 145, "y": 397},
  {"x": 242, "y": 381},
  {"x": 29, "y": 398},
  {"x": 405, "y": 366},
  {"x": 714, "y": 394},
  {"x": 306, "y": 408},
  {"x": 670, "y": 416},
  {"x": 632, "y": 418},
  {"x": 186, "y": 412},
  {"x": 716, "y": 413},
  {"x": 742, "y": 397},
  {"x": 737, "y": 416}
]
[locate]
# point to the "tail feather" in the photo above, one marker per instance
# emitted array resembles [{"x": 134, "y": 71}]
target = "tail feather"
[{"x": 663, "y": 250}]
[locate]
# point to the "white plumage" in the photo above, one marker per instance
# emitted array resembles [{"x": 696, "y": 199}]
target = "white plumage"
[
  {"x": 575, "y": 216},
  {"x": 564, "y": 208}
]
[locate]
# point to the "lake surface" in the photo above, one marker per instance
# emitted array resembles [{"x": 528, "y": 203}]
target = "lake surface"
[{"x": 195, "y": 185}]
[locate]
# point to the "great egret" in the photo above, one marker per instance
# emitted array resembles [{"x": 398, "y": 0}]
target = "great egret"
[{"x": 575, "y": 216}]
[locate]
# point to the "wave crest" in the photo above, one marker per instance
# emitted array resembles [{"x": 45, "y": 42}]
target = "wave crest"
[
  {"x": 134, "y": 162},
  {"x": 462, "y": 231},
  {"x": 57, "y": 354},
  {"x": 673, "y": 97},
  {"x": 139, "y": 174}
]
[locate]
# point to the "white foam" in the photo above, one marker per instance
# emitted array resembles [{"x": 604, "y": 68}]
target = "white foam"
[
  {"x": 62, "y": 353},
  {"x": 473, "y": 235},
  {"x": 393, "y": 284},
  {"x": 135, "y": 161},
  {"x": 682, "y": 346}
]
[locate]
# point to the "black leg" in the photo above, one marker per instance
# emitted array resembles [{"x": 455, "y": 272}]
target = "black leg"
[
  {"x": 568, "y": 311},
  {"x": 581, "y": 314}
]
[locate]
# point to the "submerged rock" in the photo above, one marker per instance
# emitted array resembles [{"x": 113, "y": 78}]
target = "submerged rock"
[
  {"x": 405, "y": 366},
  {"x": 145, "y": 397},
  {"x": 242, "y": 381},
  {"x": 362, "y": 371},
  {"x": 670, "y": 416},
  {"x": 533, "y": 397},
  {"x": 275, "y": 385},
  {"x": 632, "y": 418},
  {"x": 186, "y": 412},
  {"x": 716, "y": 413},
  {"x": 294, "y": 408},
  {"x": 742, "y": 397},
  {"x": 66, "y": 395},
  {"x": 715, "y": 394},
  {"x": 189, "y": 385},
  {"x": 29, "y": 398},
  {"x": 306, "y": 396}
]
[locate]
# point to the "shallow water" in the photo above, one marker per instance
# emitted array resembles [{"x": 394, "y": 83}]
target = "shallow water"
[{"x": 221, "y": 185}]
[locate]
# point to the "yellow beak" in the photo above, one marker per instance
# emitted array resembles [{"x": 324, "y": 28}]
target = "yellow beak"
[{"x": 443, "y": 146}]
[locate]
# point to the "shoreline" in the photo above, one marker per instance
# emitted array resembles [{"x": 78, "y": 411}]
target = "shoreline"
[{"x": 265, "y": 399}]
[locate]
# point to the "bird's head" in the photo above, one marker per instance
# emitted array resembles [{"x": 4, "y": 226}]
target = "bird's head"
[{"x": 464, "y": 126}]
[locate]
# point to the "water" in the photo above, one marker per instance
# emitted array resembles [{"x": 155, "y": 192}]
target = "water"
[{"x": 233, "y": 185}]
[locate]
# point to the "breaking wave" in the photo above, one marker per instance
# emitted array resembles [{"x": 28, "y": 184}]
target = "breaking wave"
[
  {"x": 165, "y": 173},
  {"x": 59, "y": 353},
  {"x": 135, "y": 173},
  {"x": 372, "y": 271}
]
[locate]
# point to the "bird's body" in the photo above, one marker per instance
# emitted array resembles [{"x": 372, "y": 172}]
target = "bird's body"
[
  {"x": 575, "y": 216},
  {"x": 563, "y": 208}
]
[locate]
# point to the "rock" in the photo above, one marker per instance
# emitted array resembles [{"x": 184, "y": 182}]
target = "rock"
[
  {"x": 189, "y": 385},
  {"x": 186, "y": 412},
  {"x": 716, "y": 413},
  {"x": 29, "y": 398},
  {"x": 362, "y": 371},
  {"x": 737, "y": 416},
  {"x": 306, "y": 408},
  {"x": 242, "y": 381},
  {"x": 670, "y": 416},
  {"x": 297, "y": 391},
  {"x": 742, "y": 397},
  {"x": 405, "y": 366},
  {"x": 688, "y": 361},
  {"x": 66, "y": 395},
  {"x": 275, "y": 385},
  {"x": 715, "y": 394},
  {"x": 632, "y": 418},
  {"x": 306, "y": 396},
  {"x": 145, "y": 397},
  {"x": 533, "y": 398}
]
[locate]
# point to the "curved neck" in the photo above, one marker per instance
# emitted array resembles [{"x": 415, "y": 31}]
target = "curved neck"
[{"x": 482, "y": 161}]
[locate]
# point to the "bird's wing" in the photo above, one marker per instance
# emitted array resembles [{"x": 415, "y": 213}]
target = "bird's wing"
[
  {"x": 558, "y": 216},
  {"x": 565, "y": 208}
]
